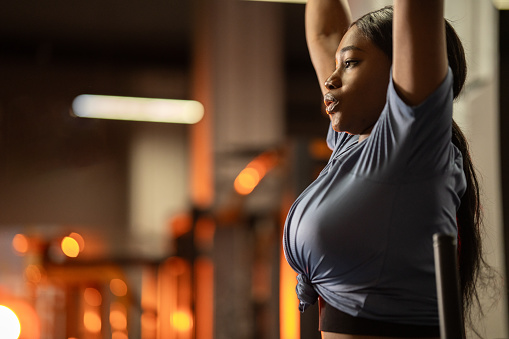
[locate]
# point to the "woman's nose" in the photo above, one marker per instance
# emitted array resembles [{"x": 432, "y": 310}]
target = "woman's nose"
[{"x": 332, "y": 82}]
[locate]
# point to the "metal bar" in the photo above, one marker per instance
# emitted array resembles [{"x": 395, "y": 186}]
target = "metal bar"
[{"x": 448, "y": 291}]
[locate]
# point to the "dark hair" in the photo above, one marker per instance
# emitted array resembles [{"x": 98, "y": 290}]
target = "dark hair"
[{"x": 377, "y": 26}]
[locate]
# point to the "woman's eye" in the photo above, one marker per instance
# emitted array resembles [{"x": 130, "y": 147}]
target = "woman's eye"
[{"x": 350, "y": 63}]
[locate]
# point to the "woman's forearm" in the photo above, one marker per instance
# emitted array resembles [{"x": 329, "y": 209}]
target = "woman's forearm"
[
  {"x": 420, "y": 53},
  {"x": 326, "y": 23}
]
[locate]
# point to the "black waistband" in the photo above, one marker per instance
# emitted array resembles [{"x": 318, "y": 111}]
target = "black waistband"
[{"x": 333, "y": 320}]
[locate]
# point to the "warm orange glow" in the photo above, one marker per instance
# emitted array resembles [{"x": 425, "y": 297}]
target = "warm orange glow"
[
  {"x": 246, "y": 181},
  {"x": 204, "y": 232},
  {"x": 92, "y": 296},
  {"x": 319, "y": 150},
  {"x": 289, "y": 317},
  {"x": 20, "y": 243},
  {"x": 92, "y": 321},
  {"x": 119, "y": 335},
  {"x": 289, "y": 305},
  {"x": 251, "y": 175},
  {"x": 178, "y": 266},
  {"x": 149, "y": 303},
  {"x": 27, "y": 317},
  {"x": 9, "y": 323},
  {"x": 182, "y": 321},
  {"x": 118, "y": 320},
  {"x": 33, "y": 274},
  {"x": 70, "y": 247},
  {"x": 181, "y": 224},
  {"x": 176, "y": 289},
  {"x": 204, "y": 272},
  {"x": 79, "y": 239},
  {"x": 118, "y": 287},
  {"x": 148, "y": 323},
  {"x": 202, "y": 134},
  {"x": 149, "y": 297},
  {"x": 118, "y": 316}
]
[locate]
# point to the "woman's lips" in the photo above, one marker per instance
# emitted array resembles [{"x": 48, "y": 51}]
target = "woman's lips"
[{"x": 330, "y": 103}]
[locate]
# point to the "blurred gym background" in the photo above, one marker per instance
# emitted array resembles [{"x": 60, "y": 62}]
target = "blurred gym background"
[{"x": 144, "y": 229}]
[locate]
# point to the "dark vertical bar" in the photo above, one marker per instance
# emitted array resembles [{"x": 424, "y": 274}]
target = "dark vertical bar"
[{"x": 446, "y": 271}]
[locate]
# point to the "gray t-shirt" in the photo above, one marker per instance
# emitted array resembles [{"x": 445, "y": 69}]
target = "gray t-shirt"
[{"x": 361, "y": 233}]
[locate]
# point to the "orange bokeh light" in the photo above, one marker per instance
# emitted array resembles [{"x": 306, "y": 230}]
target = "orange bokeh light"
[
  {"x": 251, "y": 175},
  {"x": 319, "y": 150},
  {"x": 28, "y": 319},
  {"x": 181, "y": 224},
  {"x": 118, "y": 316},
  {"x": 246, "y": 181},
  {"x": 92, "y": 296},
  {"x": 204, "y": 232},
  {"x": 9, "y": 323},
  {"x": 204, "y": 310},
  {"x": 79, "y": 239},
  {"x": 119, "y": 335},
  {"x": 70, "y": 247},
  {"x": 289, "y": 304},
  {"x": 148, "y": 321},
  {"x": 33, "y": 274},
  {"x": 118, "y": 287},
  {"x": 92, "y": 321},
  {"x": 20, "y": 243},
  {"x": 182, "y": 321}
]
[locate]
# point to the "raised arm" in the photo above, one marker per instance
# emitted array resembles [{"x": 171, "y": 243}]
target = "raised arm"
[
  {"x": 419, "y": 50},
  {"x": 326, "y": 23}
]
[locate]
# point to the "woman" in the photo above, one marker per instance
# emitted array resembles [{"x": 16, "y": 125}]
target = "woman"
[{"x": 360, "y": 236}]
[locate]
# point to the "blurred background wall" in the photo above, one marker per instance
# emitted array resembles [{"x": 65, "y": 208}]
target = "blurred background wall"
[{"x": 123, "y": 229}]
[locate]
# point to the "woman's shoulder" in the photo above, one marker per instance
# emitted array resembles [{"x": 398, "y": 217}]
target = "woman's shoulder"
[
  {"x": 407, "y": 138},
  {"x": 441, "y": 96}
]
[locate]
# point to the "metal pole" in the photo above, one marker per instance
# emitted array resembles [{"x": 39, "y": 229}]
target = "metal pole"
[{"x": 448, "y": 291}]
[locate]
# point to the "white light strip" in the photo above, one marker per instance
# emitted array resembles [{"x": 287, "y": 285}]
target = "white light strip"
[
  {"x": 137, "y": 109},
  {"x": 501, "y": 4}
]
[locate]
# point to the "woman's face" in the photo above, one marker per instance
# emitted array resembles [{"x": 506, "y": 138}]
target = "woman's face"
[{"x": 357, "y": 88}]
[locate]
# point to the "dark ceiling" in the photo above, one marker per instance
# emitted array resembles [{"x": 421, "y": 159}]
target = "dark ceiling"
[{"x": 94, "y": 30}]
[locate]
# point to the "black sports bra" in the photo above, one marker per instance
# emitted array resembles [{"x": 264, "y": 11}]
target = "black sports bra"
[{"x": 333, "y": 320}]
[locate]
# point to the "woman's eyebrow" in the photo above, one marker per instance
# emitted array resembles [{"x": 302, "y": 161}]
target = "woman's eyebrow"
[
  {"x": 350, "y": 48},
  {"x": 346, "y": 49}
]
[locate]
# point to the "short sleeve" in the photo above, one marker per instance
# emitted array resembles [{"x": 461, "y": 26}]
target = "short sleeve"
[{"x": 411, "y": 139}]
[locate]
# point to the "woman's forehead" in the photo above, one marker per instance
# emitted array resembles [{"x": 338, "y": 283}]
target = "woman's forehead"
[
  {"x": 352, "y": 37},
  {"x": 353, "y": 40}
]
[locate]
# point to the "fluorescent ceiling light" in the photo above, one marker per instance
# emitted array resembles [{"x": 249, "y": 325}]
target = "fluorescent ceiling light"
[
  {"x": 137, "y": 109},
  {"x": 501, "y": 4}
]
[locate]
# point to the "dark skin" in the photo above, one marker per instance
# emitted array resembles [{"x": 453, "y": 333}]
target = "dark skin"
[
  {"x": 419, "y": 57},
  {"x": 357, "y": 88},
  {"x": 354, "y": 73}
]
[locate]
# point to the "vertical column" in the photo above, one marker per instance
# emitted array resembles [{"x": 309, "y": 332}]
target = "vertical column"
[
  {"x": 201, "y": 134},
  {"x": 158, "y": 188},
  {"x": 238, "y": 77}
]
